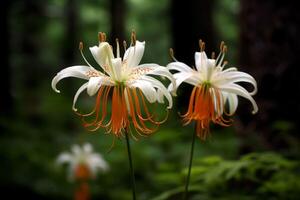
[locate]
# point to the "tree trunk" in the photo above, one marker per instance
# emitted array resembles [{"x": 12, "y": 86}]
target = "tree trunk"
[
  {"x": 6, "y": 100},
  {"x": 269, "y": 47}
]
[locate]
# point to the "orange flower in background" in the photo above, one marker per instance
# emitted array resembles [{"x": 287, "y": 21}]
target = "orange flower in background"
[
  {"x": 128, "y": 85},
  {"x": 214, "y": 88}
]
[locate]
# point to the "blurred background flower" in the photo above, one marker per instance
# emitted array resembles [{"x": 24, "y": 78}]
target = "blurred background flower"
[
  {"x": 41, "y": 37},
  {"x": 82, "y": 162}
]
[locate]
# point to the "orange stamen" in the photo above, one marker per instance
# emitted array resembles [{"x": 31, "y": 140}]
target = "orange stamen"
[
  {"x": 205, "y": 105},
  {"x": 120, "y": 118}
]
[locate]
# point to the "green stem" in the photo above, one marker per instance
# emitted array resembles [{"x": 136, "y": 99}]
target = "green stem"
[
  {"x": 131, "y": 166},
  {"x": 185, "y": 197}
]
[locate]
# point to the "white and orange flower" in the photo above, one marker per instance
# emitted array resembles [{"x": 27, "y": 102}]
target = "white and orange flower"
[
  {"x": 83, "y": 162},
  {"x": 127, "y": 83},
  {"x": 214, "y": 87}
]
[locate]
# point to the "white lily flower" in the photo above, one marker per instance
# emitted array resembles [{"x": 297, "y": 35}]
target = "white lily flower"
[
  {"x": 129, "y": 83},
  {"x": 214, "y": 88},
  {"x": 83, "y": 162}
]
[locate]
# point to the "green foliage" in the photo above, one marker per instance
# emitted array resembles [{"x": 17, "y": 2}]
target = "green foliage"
[{"x": 254, "y": 176}]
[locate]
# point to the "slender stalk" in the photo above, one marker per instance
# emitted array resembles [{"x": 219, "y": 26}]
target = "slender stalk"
[
  {"x": 131, "y": 166},
  {"x": 185, "y": 197}
]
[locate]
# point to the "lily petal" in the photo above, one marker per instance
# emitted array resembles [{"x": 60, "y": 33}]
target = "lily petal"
[
  {"x": 235, "y": 76},
  {"x": 103, "y": 55},
  {"x": 179, "y": 66},
  {"x": 238, "y": 90},
  {"x": 64, "y": 158},
  {"x": 134, "y": 54},
  {"x": 163, "y": 90},
  {"x": 117, "y": 65},
  {"x": 160, "y": 71},
  {"x": 93, "y": 85},
  {"x": 74, "y": 71},
  {"x": 233, "y": 103},
  {"x": 79, "y": 91},
  {"x": 200, "y": 60},
  {"x": 147, "y": 89}
]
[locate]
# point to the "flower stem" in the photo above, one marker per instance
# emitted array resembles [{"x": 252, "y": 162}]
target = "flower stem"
[
  {"x": 185, "y": 197},
  {"x": 131, "y": 166}
]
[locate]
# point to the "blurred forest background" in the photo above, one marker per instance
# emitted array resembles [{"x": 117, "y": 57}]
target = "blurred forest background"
[{"x": 256, "y": 158}]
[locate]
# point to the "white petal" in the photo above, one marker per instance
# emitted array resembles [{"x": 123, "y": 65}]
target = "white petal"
[
  {"x": 94, "y": 85},
  {"x": 180, "y": 78},
  {"x": 80, "y": 90},
  {"x": 74, "y": 71},
  {"x": 134, "y": 54},
  {"x": 147, "y": 89},
  {"x": 76, "y": 149},
  {"x": 160, "y": 71},
  {"x": 238, "y": 90},
  {"x": 235, "y": 76},
  {"x": 200, "y": 60},
  {"x": 233, "y": 103},
  {"x": 157, "y": 84},
  {"x": 97, "y": 163},
  {"x": 64, "y": 158},
  {"x": 117, "y": 65},
  {"x": 179, "y": 66},
  {"x": 87, "y": 148},
  {"x": 103, "y": 55}
]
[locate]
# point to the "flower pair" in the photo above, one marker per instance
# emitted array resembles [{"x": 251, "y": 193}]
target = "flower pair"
[{"x": 131, "y": 86}]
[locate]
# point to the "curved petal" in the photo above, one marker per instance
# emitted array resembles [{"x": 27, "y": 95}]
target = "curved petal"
[
  {"x": 147, "y": 89},
  {"x": 200, "y": 60},
  {"x": 161, "y": 88},
  {"x": 74, "y": 71},
  {"x": 64, "y": 158},
  {"x": 93, "y": 85},
  {"x": 103, "y": 55},
  {"x": 154, "y": 69},
  {"x": 179, "y": 66},
  {"x": 236, "y": 76},
  {"x": 134, "y": 54},
  {"x": 238, "y": 90},
  {"x": 79, "y": 91},
  {"x": 180, "y": 78},
  {"x": 233, "y": 103}
]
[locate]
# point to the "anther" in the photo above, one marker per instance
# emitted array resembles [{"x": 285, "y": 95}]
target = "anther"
[
  {"x": 213, "y": 55},
  {"x": 133, "y": 37},
  {"x": 222, "y": 45},
  {"x": 101, "y": 37},
  {"x": 172, "y": 54},
  {"x": 124, "y": 45},
  {"x": 80, "y": 46},
  {"x": 224, "y": 50},
  {"x": 201, "y": 45}
]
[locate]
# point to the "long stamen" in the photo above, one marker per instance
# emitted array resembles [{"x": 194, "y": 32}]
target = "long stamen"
[
  {"x": 81, "y": 52},
  {"x": 118, "y": 48},
  {"x": 171, "y": 51},
  {"x": 133, "y": 38},
  {"x": 201, "y": 45},
  {"x": 125, "y": 45},
  {"x": 101, "y": 37}
]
